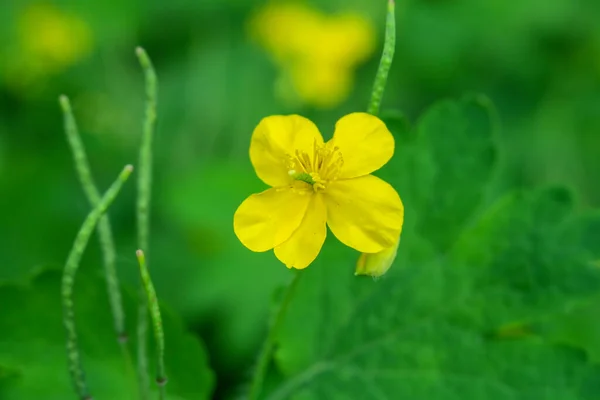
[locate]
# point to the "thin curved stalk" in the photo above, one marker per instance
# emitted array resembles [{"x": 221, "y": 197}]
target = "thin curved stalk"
[
  {"x": 68, "y": 281},
  {"x": 386, "y": 60},
  {"x": 144, "y": 191},
  {"x": 159, "y": 335},
  {"x": 105, "y": 235}
]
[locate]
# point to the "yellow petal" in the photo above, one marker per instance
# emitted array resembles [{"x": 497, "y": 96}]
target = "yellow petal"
[
  {"x": 364, "y": 213},
  {"x": 267, "y": 219},
  {"x": 285, "y": 29},
  {"x": 321, "y": 84},
  {"x": 304, "y": 245},
  {"x": 274, "y": 140},
  {"x": 345, "y": 40},
  {"x": 377, "y": 264},
  {"x": 365, "y": 143}
]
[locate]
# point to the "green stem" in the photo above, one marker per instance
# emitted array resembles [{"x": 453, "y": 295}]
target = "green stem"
[
  {"x": 386, "y": 60},
  {"x": 144, "y": 188},
  {"x": 105, "y": 235},
  {"x": 68, "y": 281},
  {"x": 266, "y": 352},
  {"x": 142, "y": 347},
  {"x": 159, "y": 336}
]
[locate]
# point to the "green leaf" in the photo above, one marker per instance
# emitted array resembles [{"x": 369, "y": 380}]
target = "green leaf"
[
  {"x": 588, "y": 230},
  {"x": 455, "y": 158},
  {"x": 578, "y": 324},
  {"x": 32, "y": 345},
  {"x": 423, "y": 330},
  {"x": 443, "y": 166},
  {"x": 577, "y": 327},
  {"x": 527, "y": 255}
]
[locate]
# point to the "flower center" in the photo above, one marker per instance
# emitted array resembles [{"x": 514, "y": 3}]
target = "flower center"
[{"x": 316, "y": 169}]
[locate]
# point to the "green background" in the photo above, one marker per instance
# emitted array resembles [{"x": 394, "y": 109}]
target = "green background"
[{"x": 495, "y": 294}]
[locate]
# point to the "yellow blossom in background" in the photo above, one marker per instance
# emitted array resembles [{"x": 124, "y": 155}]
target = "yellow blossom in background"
[
  {"x": 48, "y": 41},
  {"x": 315, "y": 184},
  {"x": 316, "y": 52}
]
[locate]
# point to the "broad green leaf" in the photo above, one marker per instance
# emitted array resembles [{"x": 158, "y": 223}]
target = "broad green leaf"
[
  {"x": 588, "y": 230},
  {"x": 32, "y": 345},
  {"x": 423, "y": 330},
  {"x": 528, "y": 255},
  {"x": 454, "y": 162},
  {"x": 578, "y": 324}
]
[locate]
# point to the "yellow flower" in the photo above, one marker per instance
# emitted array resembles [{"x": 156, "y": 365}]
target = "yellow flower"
[
  {"x": 321, "y": 85},
  {"x": 316, "y": 184},
  {"x": 318, "y": 53},
  {"x": 48, "y": 41},
  {"x": 53, "y": 36}
]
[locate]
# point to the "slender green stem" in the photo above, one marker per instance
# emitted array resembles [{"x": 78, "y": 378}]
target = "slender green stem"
[
  {"x": 68, "y": 281},
  {"x": 145, "y": 159},
  {"x": 386, "y": 60},
  {"x": 266, "y": 352},
  {"x": 159, "y": 336},
  {"x": 105, "y": 235},
  {"x": 142, "y": 347},
  {"x": 144, "y": 188}
]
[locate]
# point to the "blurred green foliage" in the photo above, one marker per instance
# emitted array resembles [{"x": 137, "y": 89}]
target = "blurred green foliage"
[
  {"x": 495, "y": 290},
  {"x": 33, "y": 350}
]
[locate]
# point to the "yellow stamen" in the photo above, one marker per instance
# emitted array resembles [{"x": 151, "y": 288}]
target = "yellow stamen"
[{"x": 323, "y": 167}]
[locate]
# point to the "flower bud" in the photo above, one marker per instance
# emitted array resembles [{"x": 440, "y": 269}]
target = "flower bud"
[{"x": 377, "y": 264}]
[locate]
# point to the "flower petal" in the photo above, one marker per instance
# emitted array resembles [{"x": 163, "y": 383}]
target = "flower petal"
[
  {"x": 346, "y": 40},
  {"x": 365, "y": 143},
  {"x": 304, "y": 245},
  {"x": 324, "y": 85},
  {"x": 364, "y": 213},
  {"x": 267, "y": 219},
  {"x": 275, "y": 139}
]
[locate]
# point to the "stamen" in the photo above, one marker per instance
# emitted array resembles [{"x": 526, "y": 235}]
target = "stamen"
[
  {"x": 323, "y": 167},
  {"x": 315, "y": 150}
]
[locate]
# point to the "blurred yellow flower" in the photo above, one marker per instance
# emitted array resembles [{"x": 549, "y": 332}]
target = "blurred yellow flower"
[
  {"x": 48, "y": 41},
  {"x": 316, "y": 184},
  {"x": 318, "y": 53}
]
